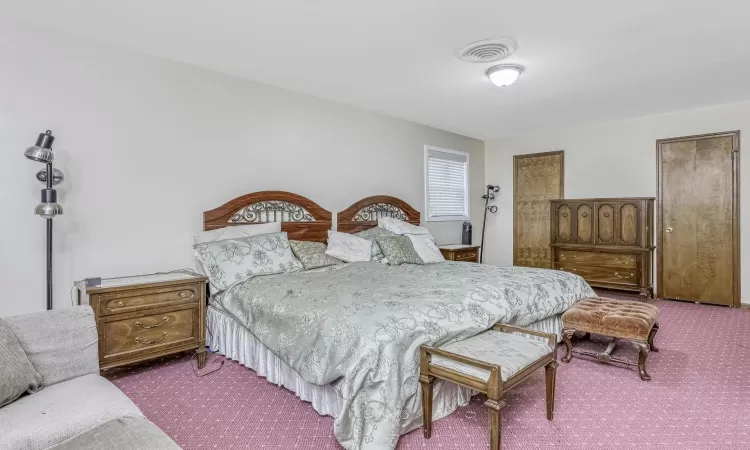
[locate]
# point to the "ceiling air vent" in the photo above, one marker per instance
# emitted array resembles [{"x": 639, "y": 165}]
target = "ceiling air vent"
[{"x": 488, "y": 50}]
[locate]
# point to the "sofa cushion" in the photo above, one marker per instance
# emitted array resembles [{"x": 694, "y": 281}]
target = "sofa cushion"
[
  {"x": 17, "y": 374},
  {"x": 122, "y": 433},
  {"x": 61, "y": 344},
  {"x": 61, "y": 411}
]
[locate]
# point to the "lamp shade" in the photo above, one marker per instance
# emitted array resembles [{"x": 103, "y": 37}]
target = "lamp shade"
[
  {"x": 48, "y": 208},
  {"x": 40, "y": 154},
  {"x": 42, "y": 151},
  {"x": 57, "y": 176}
]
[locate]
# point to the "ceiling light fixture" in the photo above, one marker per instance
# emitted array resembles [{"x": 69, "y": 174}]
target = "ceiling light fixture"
[{"x": 504, "y": 74}]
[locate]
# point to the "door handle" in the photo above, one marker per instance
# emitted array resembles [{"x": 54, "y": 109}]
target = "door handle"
[{"x": 668, "y": 229}]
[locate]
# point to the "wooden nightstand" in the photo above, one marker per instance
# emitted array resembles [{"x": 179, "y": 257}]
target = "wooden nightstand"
[
  {"x": 465, "y": 253},
  {"x": 145, "y": 317}
]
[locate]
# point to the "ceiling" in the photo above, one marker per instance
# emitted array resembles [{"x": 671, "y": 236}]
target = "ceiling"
[{"x": 585, "y": 60}]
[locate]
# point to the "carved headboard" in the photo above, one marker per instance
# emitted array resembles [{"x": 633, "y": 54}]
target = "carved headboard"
[
  {"x": 300, "y": 217},
  {"x": 365, "y": 213}
]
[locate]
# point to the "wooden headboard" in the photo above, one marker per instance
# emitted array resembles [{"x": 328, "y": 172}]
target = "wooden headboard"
[
  {"x": 300, "y": 217},
  {"x": 365, "y": 213}
]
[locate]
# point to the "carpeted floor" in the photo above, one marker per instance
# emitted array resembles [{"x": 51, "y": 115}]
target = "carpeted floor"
[{"x": 699, "y": 398}]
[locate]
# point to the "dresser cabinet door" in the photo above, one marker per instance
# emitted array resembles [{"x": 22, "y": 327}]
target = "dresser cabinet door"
[
  {"x": 606, "y": 223},
  {"x": 629, "y": 217},
  {"x": 564, "y": 223},
  {"x": 584, "y": 223}
]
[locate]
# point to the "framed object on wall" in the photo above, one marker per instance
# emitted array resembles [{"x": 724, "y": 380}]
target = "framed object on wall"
[{"x": 537, "y": 179}]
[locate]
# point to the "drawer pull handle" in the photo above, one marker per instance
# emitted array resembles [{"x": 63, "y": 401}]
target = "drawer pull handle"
[
  {"x": 138, "y": 339},
  {"x": 630, "y": 275},
  {"x": 120, "y": 303},
  {"x": 572, "y": 257},
  {"x": 183, "y": 294},
  {"x": 146, "y": 327}
]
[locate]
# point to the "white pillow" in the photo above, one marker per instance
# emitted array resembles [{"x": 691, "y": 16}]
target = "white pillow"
[
  {"x": 400, "y": 227},
  {"x": 236, "y": 232},
  {"x": 348, "y": 247},
  {"x": 426, "y": 248}
]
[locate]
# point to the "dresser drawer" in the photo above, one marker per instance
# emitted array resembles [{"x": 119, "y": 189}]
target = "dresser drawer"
[
  {"x": 139, "y": 299},
  {"x": 618, "y": 260},
  {"x": 602, "y": 274},
  {"x": 146, "y": 334}
]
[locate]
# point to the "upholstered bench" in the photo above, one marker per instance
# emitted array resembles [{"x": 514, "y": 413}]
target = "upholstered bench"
[
  {"x": 636, "y": 322},
  {"x": 491, "y": 362}
]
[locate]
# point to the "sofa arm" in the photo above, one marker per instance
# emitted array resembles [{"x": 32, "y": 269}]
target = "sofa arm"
[{"x": 61, "y": 344}]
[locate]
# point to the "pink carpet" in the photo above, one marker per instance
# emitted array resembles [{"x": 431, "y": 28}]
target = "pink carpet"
[{"x": 699, "y": 398}]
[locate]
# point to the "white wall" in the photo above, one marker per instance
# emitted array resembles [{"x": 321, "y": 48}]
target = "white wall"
[
  {"x": 147, "y": 145},
  {"x": 614, "y": 159}
]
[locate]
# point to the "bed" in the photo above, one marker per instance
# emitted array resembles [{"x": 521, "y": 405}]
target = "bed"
[{"x": 345, "y": 338}]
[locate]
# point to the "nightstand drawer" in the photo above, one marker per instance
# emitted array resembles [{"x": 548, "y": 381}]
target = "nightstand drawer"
[
  {"x": 146, "y": 334},
  {"x": 467, "y": 256},
  {"x": 460, "y": 253},
  {"x": 134, "y": 300}
]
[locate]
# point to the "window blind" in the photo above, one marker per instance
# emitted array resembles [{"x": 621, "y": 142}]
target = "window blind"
[{"x": 447, "y": 180}]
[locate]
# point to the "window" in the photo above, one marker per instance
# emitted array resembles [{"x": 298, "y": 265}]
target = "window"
[{"x": 446, "y": 184}]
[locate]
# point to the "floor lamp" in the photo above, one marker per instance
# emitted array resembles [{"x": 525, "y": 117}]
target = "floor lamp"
[
  {"x": 490, "y": 195},
  {"x": 48, "y": 208}
]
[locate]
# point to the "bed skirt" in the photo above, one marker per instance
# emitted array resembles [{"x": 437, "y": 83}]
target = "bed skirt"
[{"x": 226, "y": 336}]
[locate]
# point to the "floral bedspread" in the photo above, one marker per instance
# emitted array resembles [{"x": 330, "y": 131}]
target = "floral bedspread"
[{"x": 359, "y": 326}]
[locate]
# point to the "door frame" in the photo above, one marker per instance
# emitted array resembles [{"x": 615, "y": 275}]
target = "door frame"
[
  {"x": 515, "y": 191},
  {"x": 736, "y": 282}
]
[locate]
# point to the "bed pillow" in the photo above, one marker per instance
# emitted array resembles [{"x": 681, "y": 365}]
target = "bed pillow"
[
  {"x": 17, "y": 374},
  {"x": 237, "y": 232},
  {"x": 233, "y": 260},
  {"x": 312, "y": 255},
  {"x": 426, "y": 248},
  {"x": 348, "y": 247},
  {"x": 399, "y": 250},
  {"x": 400, "y": 227},
  {"x": 370, "y": 235}
]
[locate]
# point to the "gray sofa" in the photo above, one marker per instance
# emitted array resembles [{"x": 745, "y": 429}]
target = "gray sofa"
[{"x": 77, "y": 408}]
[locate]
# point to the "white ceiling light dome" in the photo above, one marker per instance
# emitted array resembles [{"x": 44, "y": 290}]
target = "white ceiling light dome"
[{"x": 504, "y": 74}]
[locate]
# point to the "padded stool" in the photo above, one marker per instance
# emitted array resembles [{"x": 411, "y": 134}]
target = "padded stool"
[
  {"x": 636, "y": 322},
  {"x": 491, "y": 362}
]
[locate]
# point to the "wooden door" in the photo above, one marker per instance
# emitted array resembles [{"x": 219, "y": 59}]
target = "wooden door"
[
  {"x": 537, "y": 179},
  {"x": 628, "y": 223},
  {"x": 584, "y": 223},
  {"x": 606, "y": 223},
  {"x": 564, "y": 222},
  {"x": 698, "y": 218}
]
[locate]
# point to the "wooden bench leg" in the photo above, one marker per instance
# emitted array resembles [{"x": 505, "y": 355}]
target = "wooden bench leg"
[
  {"x": 643, "y": 350},
  {"x": 427, "y": 384},
  {"x": 493, "y": 412},
  {"x": 651, "y": 335},
  {"x": 567, "y": 335},
  {"x": 551, "y": 372}
]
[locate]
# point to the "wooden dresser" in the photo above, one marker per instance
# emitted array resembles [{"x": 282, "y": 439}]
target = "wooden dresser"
[
  {"x": 146, "y": 317},
  {"x": 465, "y": 253},
  {"x": 607, "y": 241}
]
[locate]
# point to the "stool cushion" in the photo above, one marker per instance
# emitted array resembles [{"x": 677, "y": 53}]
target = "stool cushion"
[
  {"x": 617, "y": 318},
  {"x": 511, "y": 352}
]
